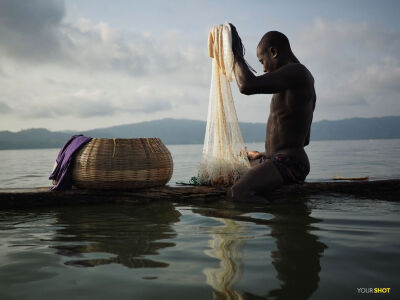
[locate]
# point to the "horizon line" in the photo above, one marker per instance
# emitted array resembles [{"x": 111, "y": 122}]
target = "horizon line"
[{"x": 182, "y": 119}]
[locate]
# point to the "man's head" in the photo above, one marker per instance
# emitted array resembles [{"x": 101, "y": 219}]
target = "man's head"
[{"x": 274, "y": 51}]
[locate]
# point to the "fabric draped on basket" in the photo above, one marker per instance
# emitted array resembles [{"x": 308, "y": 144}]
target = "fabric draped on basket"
[
  {"x": 62, "y": 174},
  {"x": 224, "y": 158}
]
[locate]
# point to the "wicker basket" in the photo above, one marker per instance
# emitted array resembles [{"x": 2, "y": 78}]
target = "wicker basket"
[{"x": 122, "y": 164}]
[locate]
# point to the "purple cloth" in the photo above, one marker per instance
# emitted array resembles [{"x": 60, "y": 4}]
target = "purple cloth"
[{"x": 62, "y": 174}]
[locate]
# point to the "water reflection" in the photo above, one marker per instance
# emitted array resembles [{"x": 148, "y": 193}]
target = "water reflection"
[
  {"x": 227, "y": 246},
  {"x": 298, "y": 253},
  {"x": 126, "y": 235},
  {"x": 132, "y": 236},
  {"x": 296, "y": 257}
]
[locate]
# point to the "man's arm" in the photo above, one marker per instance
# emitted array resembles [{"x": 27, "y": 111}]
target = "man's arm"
[
  {"x": 307, "y": 140},
  {"x": 288, "y": 76}
]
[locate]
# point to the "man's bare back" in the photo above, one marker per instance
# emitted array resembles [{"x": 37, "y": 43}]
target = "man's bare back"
[{"x": 289, "y": 122}]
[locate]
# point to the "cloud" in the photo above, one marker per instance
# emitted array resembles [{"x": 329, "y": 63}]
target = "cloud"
[
  {"x": 355, "y": 66},
  {"x": 86, "y": 103},
  {"x": 4, "y": 108},
  {"x": 57, "y": 70},
  {"x": 79, "y": 105},
  {"x": 60, "y": 74},
  {"x": 381, "y": 77},
  {"x": 155, "y": 106},
  {"x": 34, "y": 31},
  {"x": 98, "y": 47},
  {"x": 29, "y": 28},
  {"x": 342, "y": 40}
]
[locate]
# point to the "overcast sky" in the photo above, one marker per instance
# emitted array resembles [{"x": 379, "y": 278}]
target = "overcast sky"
[{"x": 82, "y": 64}]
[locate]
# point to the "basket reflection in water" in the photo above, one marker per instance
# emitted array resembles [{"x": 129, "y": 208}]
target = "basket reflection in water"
[{"x": 122, "y": 164}]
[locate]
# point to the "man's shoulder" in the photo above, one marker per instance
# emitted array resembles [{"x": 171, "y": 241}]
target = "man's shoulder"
[
  {"x": 297, "y": 72},
  {"x": 298, "y": 67},
  {"x": 306, "y": 71}
]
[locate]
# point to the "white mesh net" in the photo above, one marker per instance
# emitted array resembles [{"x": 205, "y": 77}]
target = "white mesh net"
[{"x": 224, "y": 158}]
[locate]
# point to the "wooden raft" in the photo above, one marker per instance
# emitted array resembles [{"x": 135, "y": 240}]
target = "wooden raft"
[{"x": 39, "y": 197}]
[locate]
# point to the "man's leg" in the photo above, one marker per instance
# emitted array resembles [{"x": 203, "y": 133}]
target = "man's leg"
[{"x": 260, "y": 178}]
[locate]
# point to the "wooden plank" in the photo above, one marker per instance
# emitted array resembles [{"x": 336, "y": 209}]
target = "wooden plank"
[
  {"x": 376, "y": 189},
  {"x": 36, "y": 197},
  {"x": 24, "y": 198}
]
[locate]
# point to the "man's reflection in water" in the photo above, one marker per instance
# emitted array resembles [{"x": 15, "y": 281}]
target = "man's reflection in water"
[
  {"x": 296, "y": 258},
  {"x": 298, "y": 253},
  {"x": 115, "y": 234}
]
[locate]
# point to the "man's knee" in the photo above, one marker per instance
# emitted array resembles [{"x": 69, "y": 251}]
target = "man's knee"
[
  {"x": 233, "y": 193},
  {"x": 238, "y": 192}
]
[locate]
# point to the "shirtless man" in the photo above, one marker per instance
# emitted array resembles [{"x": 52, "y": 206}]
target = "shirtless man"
[{"x": 289, "y": 122}]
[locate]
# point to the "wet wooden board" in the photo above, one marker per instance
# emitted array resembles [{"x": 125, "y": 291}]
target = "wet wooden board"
[
  {"x": 45, "y": 197},
  {"x": 36, "y": 197}
]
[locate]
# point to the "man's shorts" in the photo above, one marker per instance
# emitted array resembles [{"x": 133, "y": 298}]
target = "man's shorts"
[{"x": 290, "y": 169}]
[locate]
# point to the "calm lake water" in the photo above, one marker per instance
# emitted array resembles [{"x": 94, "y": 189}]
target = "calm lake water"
[{"x": 322, "y": 247}]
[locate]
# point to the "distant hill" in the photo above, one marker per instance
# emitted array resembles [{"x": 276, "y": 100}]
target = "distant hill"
[
  {"x": 357, "y": 129},
  {"x": 181, "y": 131},
  {"x": 31, "y": 139}
]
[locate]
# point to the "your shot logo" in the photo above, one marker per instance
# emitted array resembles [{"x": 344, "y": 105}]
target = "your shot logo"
[{"x": 373, "y": 290}]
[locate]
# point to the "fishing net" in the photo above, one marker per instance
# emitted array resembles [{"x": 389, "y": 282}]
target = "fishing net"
[{"x": 224, "y": 158}]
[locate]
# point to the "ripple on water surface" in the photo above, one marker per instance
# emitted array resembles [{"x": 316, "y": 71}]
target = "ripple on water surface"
[{"x": 222, "y": 251}]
